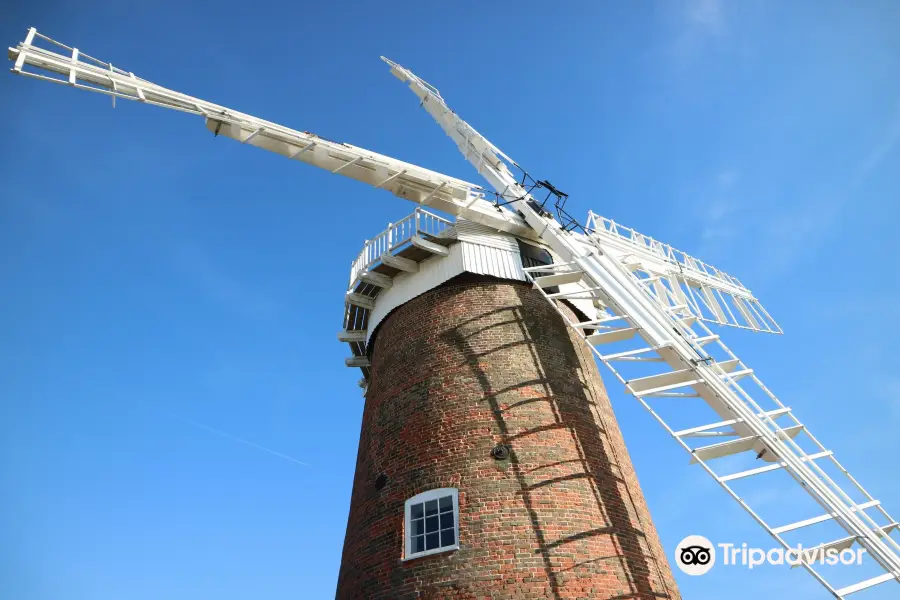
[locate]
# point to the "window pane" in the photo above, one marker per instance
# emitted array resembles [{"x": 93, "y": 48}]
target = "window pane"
[
  {"x": 446, "y": 520},
  {"x": 415, "y": 511},
  {"x": 417, "y": 527},
  {"x": 447, "y": 537},
  {"x": 446, "y": 503},
  {"x": 431, "y": 507},
  {"x": 431, "y": 541},
  {"x": 431, "y": 524},
  {"x": 418, "y": 543}
]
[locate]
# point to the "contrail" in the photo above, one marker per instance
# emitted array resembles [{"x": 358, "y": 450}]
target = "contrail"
[{"x": 241, "y": 440}]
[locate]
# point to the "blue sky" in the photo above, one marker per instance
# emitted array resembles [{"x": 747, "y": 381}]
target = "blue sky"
[{"x": 162, "y": 285}]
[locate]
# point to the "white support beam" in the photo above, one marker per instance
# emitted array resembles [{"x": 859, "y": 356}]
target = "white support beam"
[
  {"x": 432, "y": 247},
  {"x": 398, "y": 262},
  {"x": 357, "y": 361},
  {"x": 558, "y": 279},
  {"x": 868, "y": 583},
  {"x": 737, "y": 446},
  {"x": 377, "y": 279},
  {"x": 358, "y": 335},
  {"x": 610, "y": 336},
  {"x": 821, "y": 519},
  {"x": 772, "y": 414},
  {"x": 360, "y": 300},
  {"x": 773, "y": 467}
]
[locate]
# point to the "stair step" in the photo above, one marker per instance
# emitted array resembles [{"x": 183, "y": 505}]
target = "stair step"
[
  {"x": 662, "y": 382},
  {"x": 675, "y": 308},
  {"x": 551, "y": 266},
  {"x": 546, "y": 281},
  {"x": 729, "y": 365},
  {"x": 577, "y": 294},
  {"x": 653, "y": 279},
  {"x": 688, "y": 432},
  {"x": 360, "y": 300},
  {"x": 735, "y": 446},
  {"x": 738, "y": 375},
  {"x": 773, "y": 467},
  {"x": 844, "y": 543},
  {"x": 358, "y": 335},
  {"x": 593, "y": 323},
  {"x": 821, "y": 519},
  {"x": 610, "y": 336},
  {"x": 398, "y": 262},
  {"x": 377, "y": 279},
  {"x": 864, "y": 585},
  {"x": 634, "y": 355},
  {"x": 357, "y": 361},
  {"x": 702, "y": 341},
  {"x": 432, "y": 247}
]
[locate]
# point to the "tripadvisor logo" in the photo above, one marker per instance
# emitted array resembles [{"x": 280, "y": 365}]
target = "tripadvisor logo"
[{"x": 696, "y": 555}]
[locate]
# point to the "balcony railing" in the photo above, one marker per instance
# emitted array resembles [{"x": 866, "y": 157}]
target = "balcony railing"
[{"x": 420, "y": 223}]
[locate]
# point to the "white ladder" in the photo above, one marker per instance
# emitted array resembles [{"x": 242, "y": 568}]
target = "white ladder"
[
  {"x": 654, "y": 369},
  {"x": 662, "y": 331}
]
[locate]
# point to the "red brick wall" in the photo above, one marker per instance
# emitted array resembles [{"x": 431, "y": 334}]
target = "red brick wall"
[{"x": 454, "y": 372}]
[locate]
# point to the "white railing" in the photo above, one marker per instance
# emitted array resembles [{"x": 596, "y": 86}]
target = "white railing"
[
  {"x": 603, "y": 226},
  {"x": 419, "y": 223}
]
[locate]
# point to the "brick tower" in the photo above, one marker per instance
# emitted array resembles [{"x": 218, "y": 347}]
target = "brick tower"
[{"x": 490, "y": 463}]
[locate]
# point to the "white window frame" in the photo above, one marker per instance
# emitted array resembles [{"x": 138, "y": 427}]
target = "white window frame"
[{"x": 419, "y": 499}]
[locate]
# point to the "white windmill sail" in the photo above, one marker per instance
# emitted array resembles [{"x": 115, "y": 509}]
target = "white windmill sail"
[
  {"x": 405, "y": 180},
  {"x": 669, "y": 361},
  {"x": 678, "y": 279}
]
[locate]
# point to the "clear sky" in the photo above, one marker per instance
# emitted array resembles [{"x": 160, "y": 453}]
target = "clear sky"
[{"x": 163, "y": 288}]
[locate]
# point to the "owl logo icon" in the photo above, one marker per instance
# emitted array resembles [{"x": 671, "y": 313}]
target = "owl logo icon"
[{"x": 695, "y": 555}]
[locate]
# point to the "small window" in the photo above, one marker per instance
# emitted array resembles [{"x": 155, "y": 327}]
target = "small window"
[{"x": 432, "y": 522}]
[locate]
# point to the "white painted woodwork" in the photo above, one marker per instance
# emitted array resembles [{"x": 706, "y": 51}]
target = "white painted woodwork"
[
  {"x": 398, "y": 262},
  {"x": 352, "y": 336}
]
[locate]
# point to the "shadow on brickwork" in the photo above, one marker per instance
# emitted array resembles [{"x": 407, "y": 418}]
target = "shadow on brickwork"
[{"x": 574, "y": 406}]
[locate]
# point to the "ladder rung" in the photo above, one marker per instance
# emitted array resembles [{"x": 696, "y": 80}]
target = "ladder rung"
[
  {"x": 735, "y": 376},
  {"x": 613, "y": 335},
  {"x": 713, "y": 433},
  {"x": 593, "y": 323},
  {"x": 550, "y": 266},
  {"x": 844, "y": 543},
  {"x": 729, "y": 365},
  {"x": 650, "y": 279},
  {"x": 775, "y": 467},
  {"x": 702, "y": 341},
  {"x": 663, "y": 392},
  {"x": 821, "y": 519},
  {"x": 676, "y": 307},
  {"x": 573, "y": 294},
  {"x": 864, "y": 585},
  {"x": 546, "y": 281},
  {"x": 656, "y": 359},
  {"x": 630, "y": 354},
  {"x": 771, "y": 413},
  {"x": 735, "y": 446},
  {"x": 662, "y": 382}
]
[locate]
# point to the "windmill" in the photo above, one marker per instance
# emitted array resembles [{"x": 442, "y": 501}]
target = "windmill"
[{"x": 639, "y": 305}]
